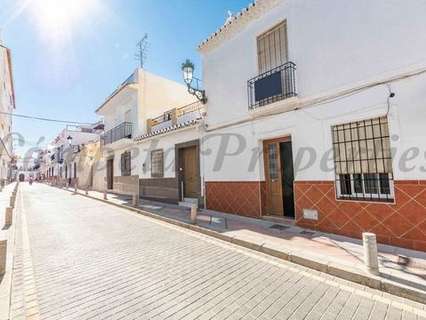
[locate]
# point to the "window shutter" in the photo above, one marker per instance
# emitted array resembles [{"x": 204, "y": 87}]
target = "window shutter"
[{"x": 272, "y": 48}]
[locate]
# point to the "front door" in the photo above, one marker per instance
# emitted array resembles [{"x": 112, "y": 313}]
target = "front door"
[
  {"x": 274, "y": 195},
  {"x": 189, "y": 170},
  {"x": 110, "y": 174},
  {"x": 279, "y": 177}
]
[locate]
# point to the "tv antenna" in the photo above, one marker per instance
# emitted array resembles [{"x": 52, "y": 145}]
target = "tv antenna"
[{"x": 142, "y": 48}]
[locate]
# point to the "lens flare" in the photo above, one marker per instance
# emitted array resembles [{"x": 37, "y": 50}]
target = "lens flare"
[{"x": 57, "y": 19}]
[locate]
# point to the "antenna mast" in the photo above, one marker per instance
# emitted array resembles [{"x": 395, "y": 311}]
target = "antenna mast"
[{"x": 142, "y": 48}]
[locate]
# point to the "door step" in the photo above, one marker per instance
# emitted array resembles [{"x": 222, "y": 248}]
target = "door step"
[{"x": 280, "y": 220}]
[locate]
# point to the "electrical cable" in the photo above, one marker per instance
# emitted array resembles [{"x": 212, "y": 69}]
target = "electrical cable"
[{"x": 43, "y": 119}]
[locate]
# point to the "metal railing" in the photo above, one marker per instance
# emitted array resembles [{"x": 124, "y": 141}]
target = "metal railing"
[
  {"x": 122, "y": 131},
  {"x": 193, "y": 111},
  {"x": 274, "y": 85}
]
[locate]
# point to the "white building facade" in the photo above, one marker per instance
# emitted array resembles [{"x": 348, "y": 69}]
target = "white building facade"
[
  {"x": 63, "y": 156},
  {"x": 316, "y": 113},
  {"x": 7, "y": 107},
  {"x": 145, "y": 118}
]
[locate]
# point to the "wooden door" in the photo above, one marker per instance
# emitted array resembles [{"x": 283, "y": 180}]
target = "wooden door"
[
  {"x": 190, "y": 172},
  {"x": 274, "y": 191},
  {"x": 110, "y": 174}
]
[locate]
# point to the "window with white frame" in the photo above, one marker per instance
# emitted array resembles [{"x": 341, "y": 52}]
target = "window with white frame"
[
  {"x": 363, "y": 160},
  {"x": 157, "y": 164},
  {"x": 272, "y": 48}
]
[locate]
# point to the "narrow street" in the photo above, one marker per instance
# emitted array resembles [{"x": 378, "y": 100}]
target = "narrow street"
[{"x": 78, "y": 258}]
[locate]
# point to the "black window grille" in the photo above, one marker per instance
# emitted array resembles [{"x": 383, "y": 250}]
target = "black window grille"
[
  {"x": 157, "y": 164},
  {"x": 126, "y": 164},
  {"x": 363, "y": 161}
]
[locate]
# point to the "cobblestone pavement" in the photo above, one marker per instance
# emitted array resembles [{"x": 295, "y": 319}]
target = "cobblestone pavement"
[{"x": 78, "y": 258}]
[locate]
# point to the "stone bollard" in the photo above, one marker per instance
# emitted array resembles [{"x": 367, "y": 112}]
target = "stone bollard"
[
  {"x": 3, "y": 256},
  {"x": 12, "y": 202},
  {"x": 370, "y": 252},
  {"x": 87, "y": 191},
  {"x": 75, "y": 188},
  {"x": 8, "y": 216},
  {"x": 105, "y": 195},
  {"x": 194, "y": 208},
  {"x": 135, "y": 199}
]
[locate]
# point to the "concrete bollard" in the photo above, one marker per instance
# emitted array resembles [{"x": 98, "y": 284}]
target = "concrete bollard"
[
  {"x": 194, "y": 208},
  {"x": 135, "y": 200},
  {"x": 105, "y": 195},
  {"x": 3, "y": 256},
  {"x": 75, "y": 188},
  {"x": 8, "y": 216},
  {"x": 370, "y": 252},
  {"x": 87, "y": 191},
  {"x": 12, "y": 202}
]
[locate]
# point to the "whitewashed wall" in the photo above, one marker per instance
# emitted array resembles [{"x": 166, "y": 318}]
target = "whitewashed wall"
[
  {"x": 152, "y": 96},
  {"x": 6, "y": 105},
  {"x": 165, "y": 142},
  {"x": 335, "y": 45},
  {"x": 114, "y": 113}
]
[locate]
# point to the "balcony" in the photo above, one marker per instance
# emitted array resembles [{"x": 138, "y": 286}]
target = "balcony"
[
  {"x": 177, "y": 116},
  {"x": 122, "y": 131},
  {"x": 274, "y": 85}
]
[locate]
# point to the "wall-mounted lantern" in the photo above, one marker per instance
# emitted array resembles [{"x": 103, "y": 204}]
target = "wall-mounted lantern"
[{"x": 188, "y": 77}]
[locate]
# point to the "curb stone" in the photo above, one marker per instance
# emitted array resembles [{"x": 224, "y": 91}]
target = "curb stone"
[
  {"x": 6, "y": 282},
  {"x": 331, "y": 268}
]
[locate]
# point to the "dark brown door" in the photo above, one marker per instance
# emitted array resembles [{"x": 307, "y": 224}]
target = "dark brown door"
[
  {"x": 190, "y": 172},
  {"x": 274, "y": 192},
  {"x": 110, "y": 174}
]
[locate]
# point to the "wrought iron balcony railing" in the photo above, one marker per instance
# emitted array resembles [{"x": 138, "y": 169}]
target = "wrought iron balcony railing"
[
  {"x": 122, "y": 131},
  {"x": 274, "y": 85}
]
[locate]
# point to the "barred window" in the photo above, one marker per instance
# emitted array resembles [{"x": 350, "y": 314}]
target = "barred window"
[
  {"x": 363, "y": 161},
  {"x": 126, "y": 163},
  {"x": 157, "y": 164},
  {"x": 272, "y": 48}
]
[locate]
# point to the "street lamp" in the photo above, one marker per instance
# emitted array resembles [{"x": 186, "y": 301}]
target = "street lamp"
[
  {"x": 188, "y": 71},
  {"x": 188, "y": 77}
]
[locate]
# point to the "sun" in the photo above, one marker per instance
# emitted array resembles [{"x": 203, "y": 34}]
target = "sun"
[{"x": 58, "y": 18}]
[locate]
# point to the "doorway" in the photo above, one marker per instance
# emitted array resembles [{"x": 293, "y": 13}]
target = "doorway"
[
  {"x": 110, "y": 174},
  {"x": 279, "y": 176},
  {"x": 189, "y": 171}
]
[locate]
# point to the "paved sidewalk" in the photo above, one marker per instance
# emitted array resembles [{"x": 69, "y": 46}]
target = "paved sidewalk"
[
  {"x": 83, "y": 259},
  {"x": 318, "y": 247},
  {"x": 6, "y": 233}
]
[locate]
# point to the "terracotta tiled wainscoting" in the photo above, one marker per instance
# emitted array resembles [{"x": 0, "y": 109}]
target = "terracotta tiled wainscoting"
[
  {"x": 242, "y": 197},
  {"x": 402, "y": 223}
]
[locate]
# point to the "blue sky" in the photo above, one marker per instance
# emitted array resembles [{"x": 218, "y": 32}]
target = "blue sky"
[{"x": 66, "y": 72}]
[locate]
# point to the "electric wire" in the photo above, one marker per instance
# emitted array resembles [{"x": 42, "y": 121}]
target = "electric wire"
[{"x": 43, "y": 119}]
